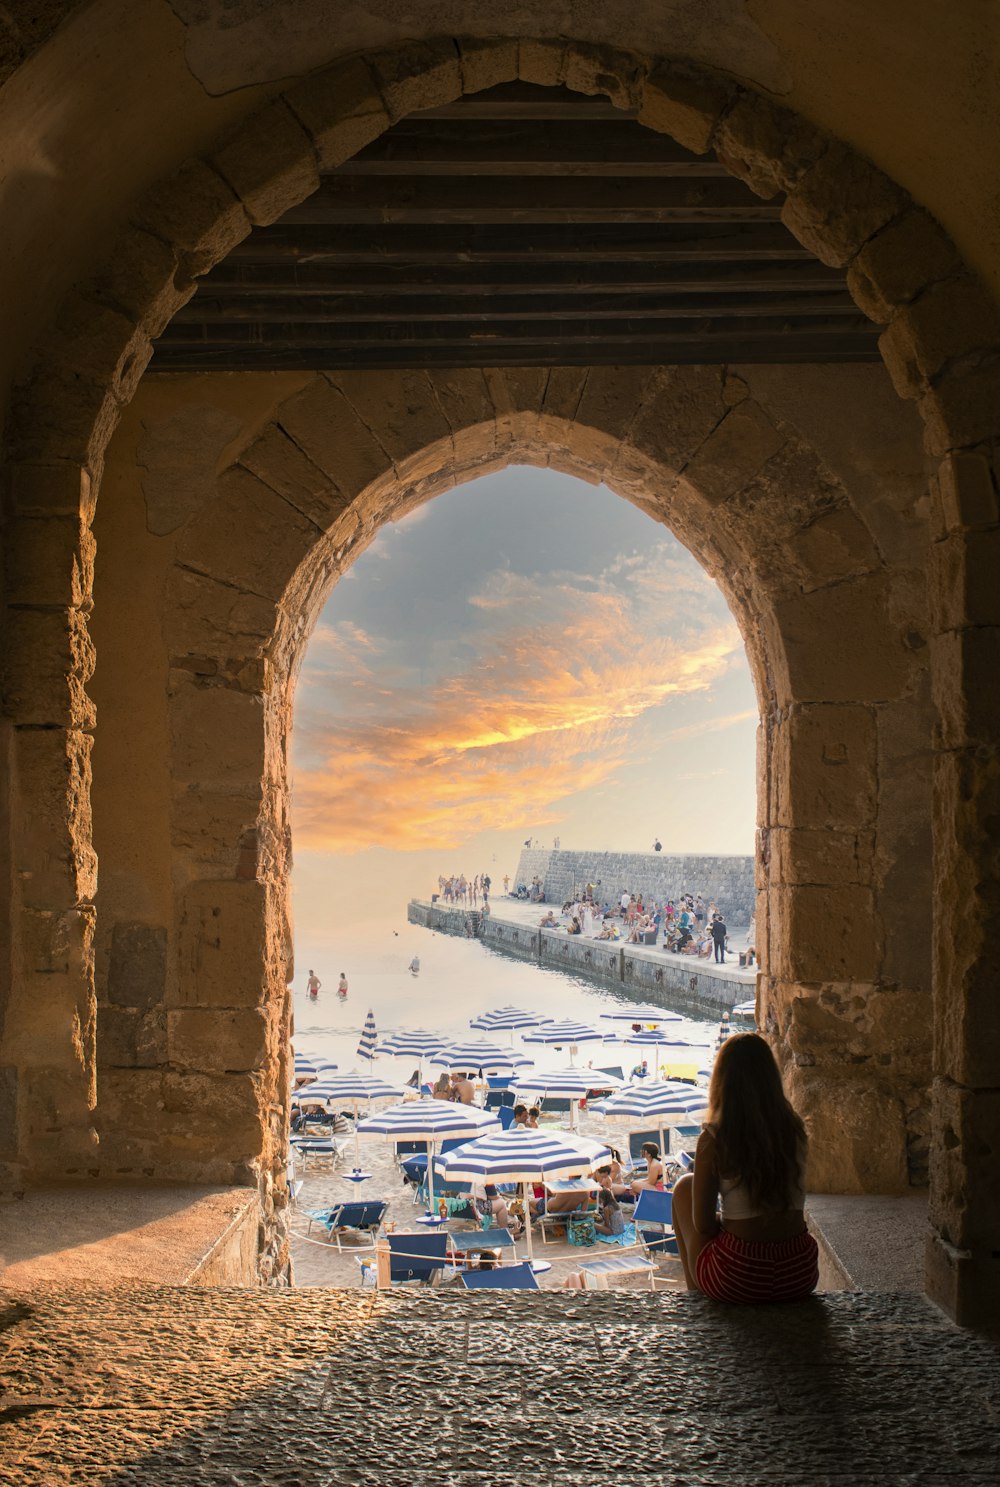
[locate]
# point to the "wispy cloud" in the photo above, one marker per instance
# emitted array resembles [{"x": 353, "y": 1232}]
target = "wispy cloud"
[{"x": 563, "y": 668}]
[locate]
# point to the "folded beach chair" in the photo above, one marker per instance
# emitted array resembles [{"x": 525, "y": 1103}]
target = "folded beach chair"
[
  {"x": 655, "y": 1209},
  {"x": 416, "y": 1256},
  {"x": 368, "y": 1215},
  {"x": 509, "y": 1278}
]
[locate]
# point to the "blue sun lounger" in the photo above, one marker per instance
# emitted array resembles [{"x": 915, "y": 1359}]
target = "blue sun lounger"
[
  {"x": 416, "y": 1256},
  {"x": 507, "y": 1278}
]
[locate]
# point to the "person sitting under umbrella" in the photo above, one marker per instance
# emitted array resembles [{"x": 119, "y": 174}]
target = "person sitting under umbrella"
[
  {"x": 442, "y": 1089},
  {"x": 610, "y": 1220},
  {"x": 495, "y": 1205},
  {"x": 462, "y": 1091},
  {"x": 654, "y": 1169}
]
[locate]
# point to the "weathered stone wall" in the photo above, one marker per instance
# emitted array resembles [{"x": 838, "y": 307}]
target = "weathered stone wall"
[{"x": 656, "y": 875}]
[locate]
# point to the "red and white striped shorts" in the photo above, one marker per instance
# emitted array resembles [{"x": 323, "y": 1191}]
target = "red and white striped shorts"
[{"x": 755, "y": 1270}]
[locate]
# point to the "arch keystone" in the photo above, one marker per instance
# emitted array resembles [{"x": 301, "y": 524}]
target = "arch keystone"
[{"x": 839, "y": 203}]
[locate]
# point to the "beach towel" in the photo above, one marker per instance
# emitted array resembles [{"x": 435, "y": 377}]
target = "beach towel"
[{"x": 627, "y": 1236}]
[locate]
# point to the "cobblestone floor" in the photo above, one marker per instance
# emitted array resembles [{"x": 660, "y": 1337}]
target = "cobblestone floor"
[{"x": 333, "y": 1388}]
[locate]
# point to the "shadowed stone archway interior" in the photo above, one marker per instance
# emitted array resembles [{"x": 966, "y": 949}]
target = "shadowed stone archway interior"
[{"x": 825, "y": 568}]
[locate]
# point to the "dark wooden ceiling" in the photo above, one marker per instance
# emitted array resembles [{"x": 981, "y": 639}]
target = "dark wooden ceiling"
[{"x": 524, "y": 226}]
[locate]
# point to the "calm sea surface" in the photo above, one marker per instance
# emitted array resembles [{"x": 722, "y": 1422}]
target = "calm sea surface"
[{"x": 458, "y": 980}]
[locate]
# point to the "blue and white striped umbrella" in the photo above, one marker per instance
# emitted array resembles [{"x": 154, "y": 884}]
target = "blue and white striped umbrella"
[
  {"x": 645, "y": 1012},
  {"x": 659, "y": 1106},
  {"x": 412, "y": 1043},
  {"x": 369, "y": 1038},
  {"x": 507, "y": 1020},
  {"x": 354, "y": 1089},
  {"x": 479, "y": 1053},
  {"x": 526, "y": 1157},
  {"x": 572, "y": 1084},
  {"x": 431, "y": 1121},
  {"x": 566, "y": 1033}
]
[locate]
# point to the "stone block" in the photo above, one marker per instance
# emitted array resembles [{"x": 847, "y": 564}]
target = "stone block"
[
  {"x": 734, "y": 452},
  {"x": 223, "y": 1111},
  {"x": 685, "y": 405},
  {"x": 207, "y": 827},
  {"x": 962, "y": 409},
  {"x": 464, "y": 399},
  {"x": 219, "y": 1041},
  {"x": 824, "y": 762},
  {"x": 50, "y": 563},
  {"x": 411, "y": 78},
  {"x": 57, "y": 1124},
  {"x": 836, "y": 545},
  {"x": 841, "y": 644},
  {"x": 399, "y": 407},
  {"x": 62, "y": 414},
  {"x": 269, "y": 162},
  {"x": 965, "y": 1284},
  {"x": 816, "y": 856},
  {"x": 198, "y": 212},
  {"x": 967, "y": 491},
  {"x": 144, "y": 279},
  {"x": 9, "y": 1125},
  {"x": 210, "y": 618},
  {"x": 611, "y": 398},
  {"x": 281, "y": 463},
  {"x": 223, "y": 930},
  {"x": 333, "y": 435},
  {"x": 486, "y": 62},
  {"x": 962, "y": 575},
  {"x": 137, "y": 972},
  {"x": 840, "y": 202},
  {"x": 248, "y": 536},
  {"x": 130, "y": 1039},
  {"x": 55, "y": 859},
  {"x": 617, "y": 75},
  {"x": 965, "y": 1149},
  {"x": 949, "y": 320},
  {"x": 217, "y": 737},
  {"x": 541, "y": 62},
  {"x": 54, "y": 490},
  {"x": 823, "y": 934},
  {"x": 767, "y": 146},
  {"x": 101, "y": 343},
  {"x": 857, "y": 1132},
  {"x": 686, "y": 107},
  {"x": 341, "y": 109},
  {"x": 892, "y": 268},
  {"x": 965, "y": 668}
]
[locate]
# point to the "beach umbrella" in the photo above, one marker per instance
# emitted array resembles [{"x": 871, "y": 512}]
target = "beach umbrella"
[
  {"x": 431, "y": 1121},
  {"x": 507, "y": 1020},
  {"x": 525, "y": 1157},
  {"x": 354, "y": 1089},
  {"x": 369, "y": 1038},
  {"x": 413, "y": 1043},
  {"x": 645, "y": 1012},
  {"x": 566, "y": 1033},
  {"x": 640, "y": 1106},
  {"x": 572, "y": 1084},
  {"x": 479, "y": 1053}
]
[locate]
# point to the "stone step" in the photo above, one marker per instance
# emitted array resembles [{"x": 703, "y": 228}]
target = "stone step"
[{"x": 179, "y": 1387}]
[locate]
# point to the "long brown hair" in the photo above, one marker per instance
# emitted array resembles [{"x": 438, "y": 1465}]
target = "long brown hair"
[{"x": 758, "y": 1136}]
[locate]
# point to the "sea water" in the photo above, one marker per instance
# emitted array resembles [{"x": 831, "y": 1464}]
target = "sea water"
[{"x": 458, "y": 980}]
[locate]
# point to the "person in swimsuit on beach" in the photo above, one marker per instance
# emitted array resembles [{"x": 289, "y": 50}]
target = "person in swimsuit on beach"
[
  {"x": 342, "y": 986},
  {"x": 654, "y": 1169},
  {"x": 739, "y": 1218}
]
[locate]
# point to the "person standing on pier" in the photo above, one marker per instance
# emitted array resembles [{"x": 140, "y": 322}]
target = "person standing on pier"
[{"x": 719, "y": 933}]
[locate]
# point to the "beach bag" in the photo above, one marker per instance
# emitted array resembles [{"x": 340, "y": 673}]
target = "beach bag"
[{"x": 581, "y": 1231}]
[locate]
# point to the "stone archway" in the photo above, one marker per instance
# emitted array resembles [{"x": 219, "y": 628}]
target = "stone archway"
[
  {"x": 939, "y": 345},
  {"x": 244, "y": 577}
]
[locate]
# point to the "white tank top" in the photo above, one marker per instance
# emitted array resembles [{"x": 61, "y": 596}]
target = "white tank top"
[{"x": 736, "y": 1202}]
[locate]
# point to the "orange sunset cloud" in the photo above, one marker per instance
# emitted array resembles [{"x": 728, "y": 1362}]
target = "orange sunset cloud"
[{"x": 546, "y": 710}]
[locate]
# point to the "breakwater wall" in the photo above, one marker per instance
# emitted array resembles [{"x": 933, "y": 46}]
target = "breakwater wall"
[
  {"x": 653, "y": 976},
  {"x": 727, "y": 880}
]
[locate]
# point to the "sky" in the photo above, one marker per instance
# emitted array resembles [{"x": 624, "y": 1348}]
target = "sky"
[{"x": 525, "y": 655}]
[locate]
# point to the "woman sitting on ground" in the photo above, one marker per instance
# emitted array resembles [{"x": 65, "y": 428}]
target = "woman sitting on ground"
[
  {"x": 610, "y": 1220},
  {"x": 654, "y": 1169},
  {"x": 752, "y": 1155}
]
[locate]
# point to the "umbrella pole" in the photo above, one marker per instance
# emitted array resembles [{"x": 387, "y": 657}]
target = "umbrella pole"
[
  {"x": 431, "y": 1143},
  {"x": 357, "y": 1138},
  {"x": 527, "y": 1220}
]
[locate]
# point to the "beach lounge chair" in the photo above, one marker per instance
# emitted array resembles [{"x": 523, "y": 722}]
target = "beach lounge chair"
[
  {"x": 556, "y": 1105},
  {"x": 656, "y": 1209},
  {"x": 368, "y": 1215},
  {"x": 469, "y": 1241},
  {"x": 500, "y": 1099},
  {"x": 637, "y": 1140},
  {"x": 409, "y": 1149},
  {"x": 508, "y": 1278},
  {"x": 416, "y": 1256},
  {"x": 505, "y": 1115}
]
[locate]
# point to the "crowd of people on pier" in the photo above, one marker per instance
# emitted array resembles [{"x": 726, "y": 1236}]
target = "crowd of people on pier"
[
  {"x": 685, "y": 925},
  {"x": 469, "y": 892}
]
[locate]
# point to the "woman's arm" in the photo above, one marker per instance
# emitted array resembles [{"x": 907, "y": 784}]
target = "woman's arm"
[{"x": 706, "y": 1185}]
